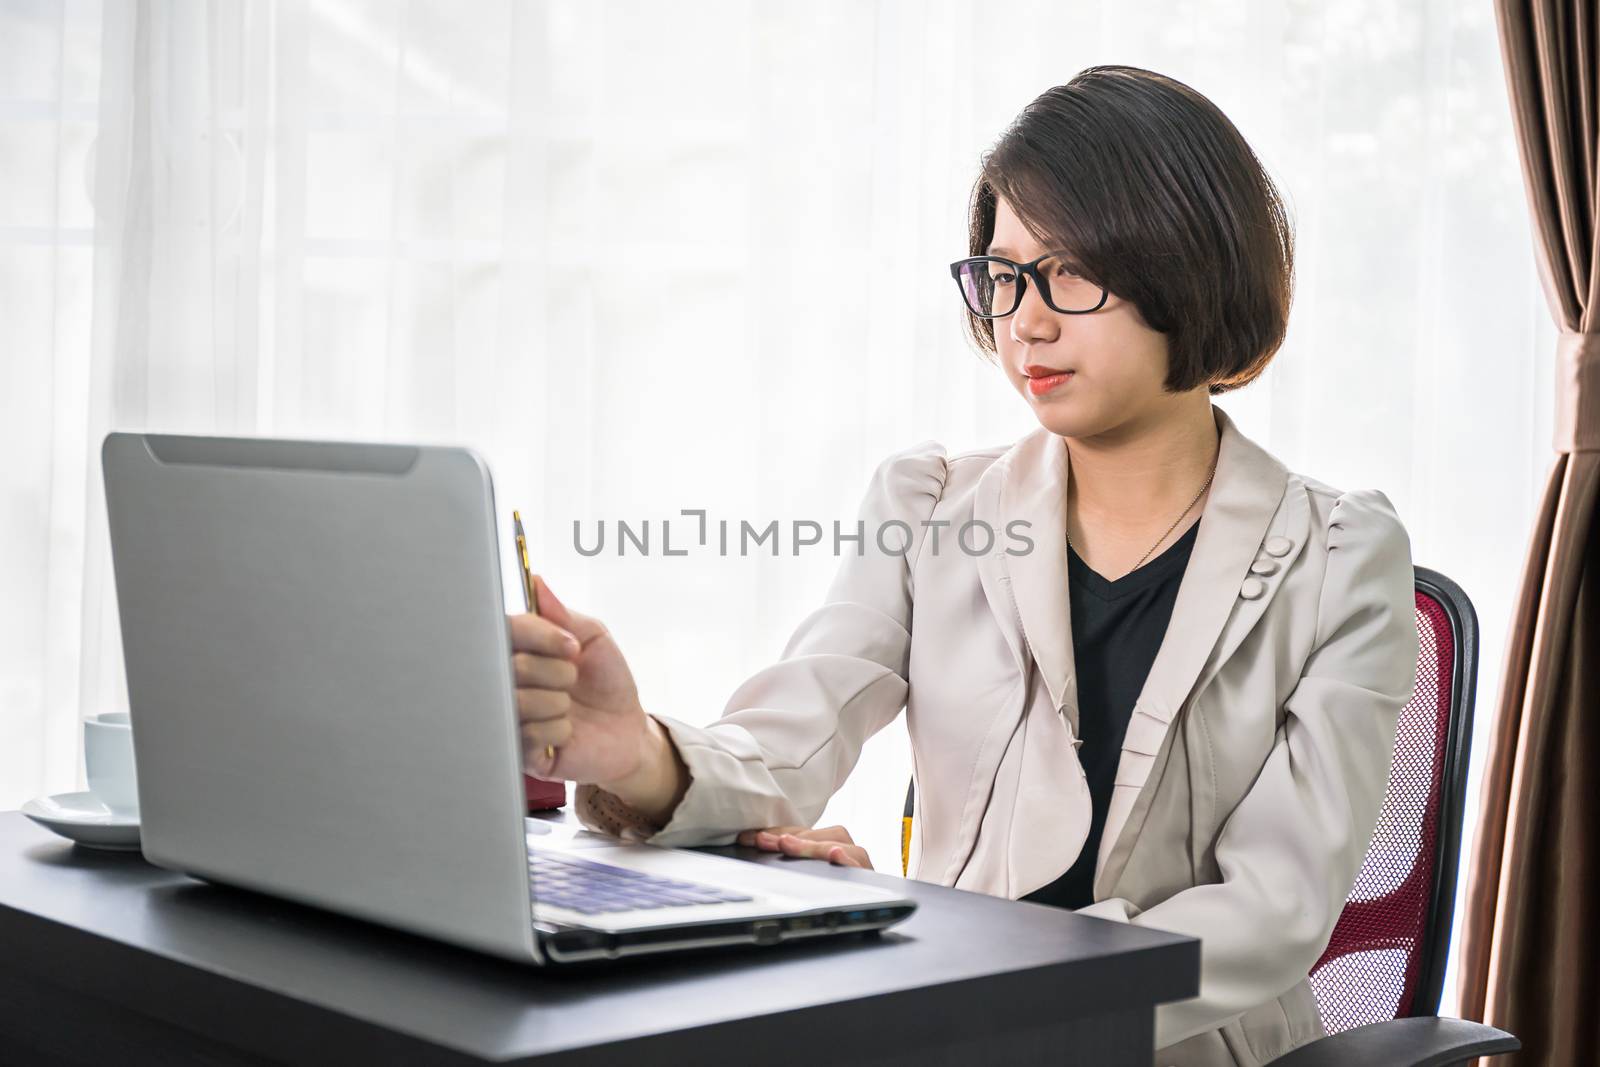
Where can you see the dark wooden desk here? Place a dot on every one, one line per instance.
(106, 959)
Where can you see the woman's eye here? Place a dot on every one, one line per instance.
(1002, 278)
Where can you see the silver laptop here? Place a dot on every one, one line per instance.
(319, 675)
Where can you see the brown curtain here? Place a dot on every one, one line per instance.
(1530, 949)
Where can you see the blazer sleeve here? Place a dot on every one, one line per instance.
(791, 733)
(1291, 849)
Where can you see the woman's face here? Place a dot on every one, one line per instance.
(1117, 362)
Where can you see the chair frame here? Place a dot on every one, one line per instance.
(1463, 620)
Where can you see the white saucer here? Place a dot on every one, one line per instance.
(82, 818)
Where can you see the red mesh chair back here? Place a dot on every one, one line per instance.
(1386, 957)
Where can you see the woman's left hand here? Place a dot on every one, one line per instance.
(831, 843)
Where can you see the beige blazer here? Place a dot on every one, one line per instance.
(1253, 766)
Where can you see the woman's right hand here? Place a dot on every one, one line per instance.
(575, 692)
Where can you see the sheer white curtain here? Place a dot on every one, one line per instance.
(656, 257)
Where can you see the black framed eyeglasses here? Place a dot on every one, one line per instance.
(992, 286)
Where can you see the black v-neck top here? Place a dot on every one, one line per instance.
(1117, 627)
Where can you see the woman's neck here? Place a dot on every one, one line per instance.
(1129, 485)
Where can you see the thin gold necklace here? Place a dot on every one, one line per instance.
(1175, 522)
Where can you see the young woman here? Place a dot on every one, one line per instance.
(1163, 689)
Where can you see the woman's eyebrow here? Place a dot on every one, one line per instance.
(998, 250)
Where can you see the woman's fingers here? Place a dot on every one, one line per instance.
(583, 628)
(530, 633)
(549, 605)
(748, 837)
(822, 833)
(538, 759)
(827, 833)
(543, 672)
(536, 735)
(832, 851)
(539, 705)
(831, 843)
(850, 856)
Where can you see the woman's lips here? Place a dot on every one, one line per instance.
(1038, 385)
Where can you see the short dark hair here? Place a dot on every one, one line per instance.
(1160, 200)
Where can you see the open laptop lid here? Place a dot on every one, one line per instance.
(319, 677)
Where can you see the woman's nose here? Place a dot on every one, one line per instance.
(1033, 320)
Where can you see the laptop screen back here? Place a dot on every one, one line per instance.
(319, 677)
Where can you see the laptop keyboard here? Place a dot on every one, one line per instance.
(590, 888)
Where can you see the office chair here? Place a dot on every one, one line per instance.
(1378, 982)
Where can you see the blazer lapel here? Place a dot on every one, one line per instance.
(1023, 484)
(1050, 810)
(1246, 495)
(1034, 492)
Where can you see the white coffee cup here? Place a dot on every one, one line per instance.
(108, 758)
